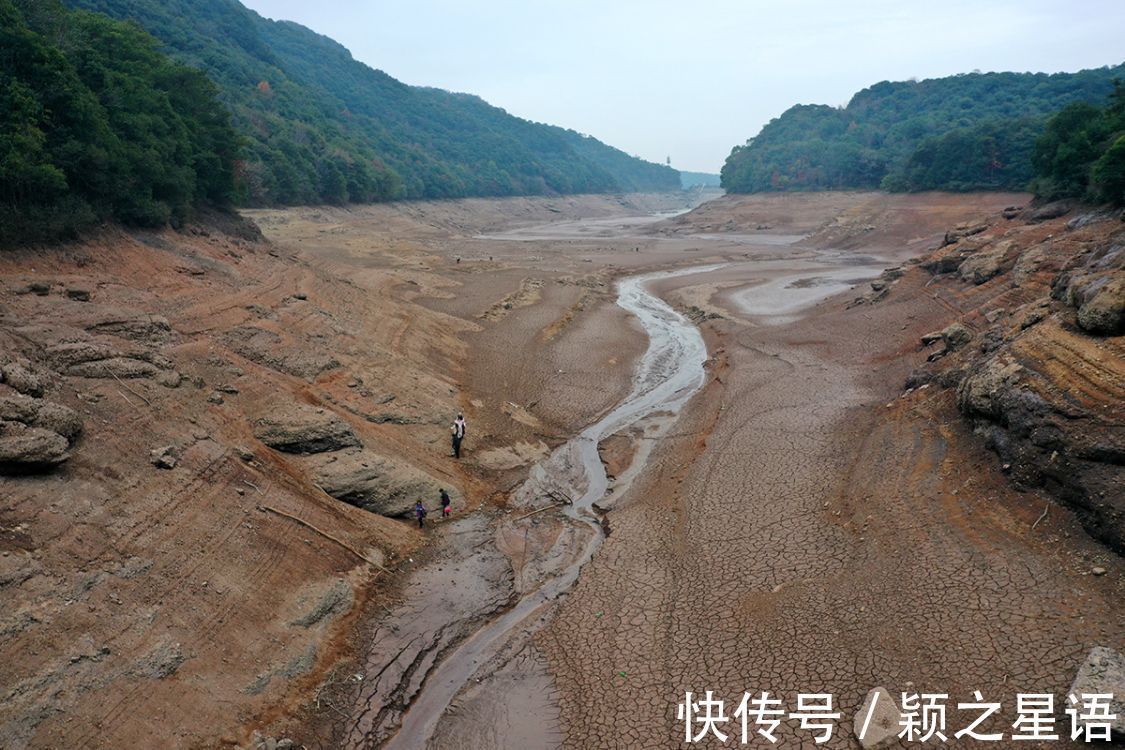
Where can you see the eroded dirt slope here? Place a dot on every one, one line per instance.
(159, 391)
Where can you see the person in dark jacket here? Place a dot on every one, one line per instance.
(446, 508)
(420, 513)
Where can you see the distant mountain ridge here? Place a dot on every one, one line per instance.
(319, 126)
(973, 131)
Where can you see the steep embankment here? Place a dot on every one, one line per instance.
(1034, 349)
(321, 127)
(177, 412)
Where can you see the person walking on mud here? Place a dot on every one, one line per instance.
(457, 434)
(420, 513)
(446, 508)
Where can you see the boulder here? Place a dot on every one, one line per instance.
(30, 449)
(961, 231)
(78, 293)
(19, 374)
(956, 335)
(163, 458)
(932, 337)
(305, 429)
(883, 726)
(982, 266)
(373, 482)
(982, 391)
(1103, 313)
(170, 379)
(35, 412)
(1051, 211)
(1104, 672)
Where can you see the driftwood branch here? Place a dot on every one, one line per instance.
(532, 513)
(324, 534)
(1045, 509)
(122, 384)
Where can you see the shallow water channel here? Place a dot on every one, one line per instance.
(669, 373)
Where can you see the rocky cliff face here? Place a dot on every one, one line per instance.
(1036, 353)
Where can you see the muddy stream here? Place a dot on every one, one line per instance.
(669, 373)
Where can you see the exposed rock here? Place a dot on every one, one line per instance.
(35, 412)
(372, 482)
(883, 726)
(1011, 212)
(931, 337)
(163, 458)
(918, 377)
(956, 335)
(982, 266)
(215, 397)
(267, 348)
(127, 323)
(1086, 219)
(163, 661)
(41, 288)
(19, 374)
(1035, 315)
(335, 601)
(962, 231)
(1104, 312)
(114, 367)
(981, 392)
(305, 429)
(170, 379)
(79, 293)
(1104, 672)
(24, 448)
(90, 359)
(1045, 442)
(1051, 211)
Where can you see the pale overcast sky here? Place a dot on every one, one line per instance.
(692, 78)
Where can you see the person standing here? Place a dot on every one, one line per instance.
(446, 507)
(457, 434)
(420, 513)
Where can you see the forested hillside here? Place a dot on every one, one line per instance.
(96, 124)
(322, 127)
(1081, 153)
(968, 132)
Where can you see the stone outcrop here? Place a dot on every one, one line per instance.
(24, 377)
(270, 349)
(305, 429)
(30, 449)
(372, 482)
(92, 359)
(35, 435)
(1104, 672)
(1041, 380)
